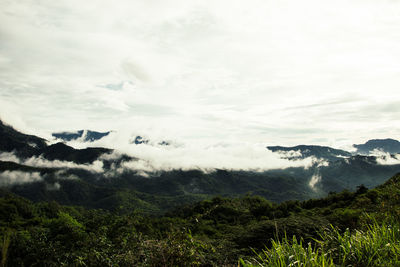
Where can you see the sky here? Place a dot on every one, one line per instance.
(270, 72)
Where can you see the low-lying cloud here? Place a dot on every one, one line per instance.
(11, 178)
(315, 179)
(289, 154)
(53, 187)
(96, 166)
(153, 157)
(384, 158)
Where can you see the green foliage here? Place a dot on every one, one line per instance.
(288, 252)
(216, 231)
(378, 245)
(4, 246)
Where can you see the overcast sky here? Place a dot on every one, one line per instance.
(261, 71)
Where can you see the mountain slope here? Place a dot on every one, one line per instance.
(24, 145)
(63, 152)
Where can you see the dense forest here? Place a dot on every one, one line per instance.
(349, 228)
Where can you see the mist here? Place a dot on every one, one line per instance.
(96, 166)
(11, 178)
(202, 155)
(384, 158)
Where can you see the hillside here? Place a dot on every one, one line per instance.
(212, 232)
(24, 145)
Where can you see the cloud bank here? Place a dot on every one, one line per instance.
(96, 166)
(153, 157)
(385, 158)
(10, 178)
(283, 72)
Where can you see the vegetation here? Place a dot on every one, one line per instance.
(358, 229)
(378, 245)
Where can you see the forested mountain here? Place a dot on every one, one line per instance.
(99, 178)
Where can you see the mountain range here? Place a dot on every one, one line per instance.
(96, 177)
(323, 152)
(390, 146)
(305, 151)
(84, 135)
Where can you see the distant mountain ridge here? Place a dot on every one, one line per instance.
(305, 151)
(386, 145)
(87, 135)
(116, 185)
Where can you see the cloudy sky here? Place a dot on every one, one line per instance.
(262, 71)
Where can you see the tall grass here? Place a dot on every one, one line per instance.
(4, 247)
(288, 252)
(377, 245)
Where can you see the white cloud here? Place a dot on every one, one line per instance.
(10, 178)
(285, 71)
(200, 155)
(315, 179)
(289, 154)
(96, 166)
(53, 187)
(385, 158)
(64, 175)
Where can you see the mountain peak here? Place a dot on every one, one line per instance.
(85, 135)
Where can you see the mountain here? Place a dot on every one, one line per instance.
(305, 151)
(86, 135)
(24, 145)
(97, 181)
(386, 145)
(214, 218)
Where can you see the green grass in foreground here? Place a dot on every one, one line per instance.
(377, 245)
